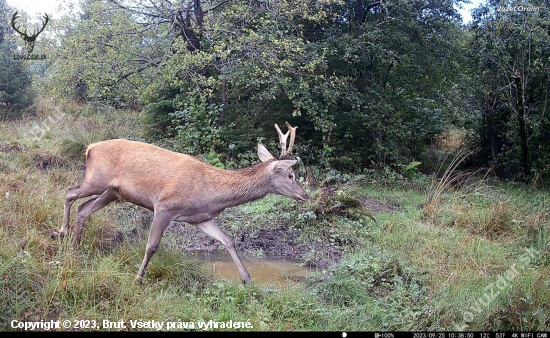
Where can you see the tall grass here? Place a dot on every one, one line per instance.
(409, 270)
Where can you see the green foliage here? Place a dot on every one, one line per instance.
(101, 50)
(15, 80)
(366, 84)
(14, 85)
(196, 125)
(372, 85)
(411, 170)
(214, 159)
(158, 112)
(390, 294)
(510, 67)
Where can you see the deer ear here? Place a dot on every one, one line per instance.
(283, 165)
(264, 154)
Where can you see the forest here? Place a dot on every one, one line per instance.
(423, 142)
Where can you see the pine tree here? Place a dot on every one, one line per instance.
(15, 80)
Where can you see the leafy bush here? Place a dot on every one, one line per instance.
(196, 125)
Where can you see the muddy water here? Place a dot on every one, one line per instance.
(276, 271)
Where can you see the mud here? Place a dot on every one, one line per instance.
(48, 161)
(278, 242)
(274, 241)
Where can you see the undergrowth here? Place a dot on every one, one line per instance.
(414, 257)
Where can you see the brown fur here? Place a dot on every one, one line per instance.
(174, 185)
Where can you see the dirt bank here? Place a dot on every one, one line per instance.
(280, 241)
(274, 240)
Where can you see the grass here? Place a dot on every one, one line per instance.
(425, 263)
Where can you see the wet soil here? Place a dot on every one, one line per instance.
(271, 240)
(8, 148)
(48, 161)
(279, 242)
(277, 247)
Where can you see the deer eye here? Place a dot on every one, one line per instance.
(290, 176)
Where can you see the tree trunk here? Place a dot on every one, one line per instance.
(191, 34)
(489, 121)
(522, 128)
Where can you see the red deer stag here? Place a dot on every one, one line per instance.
(177, 186)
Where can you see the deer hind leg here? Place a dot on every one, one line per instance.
(89, 207)
(211, 229)
(161, 220)
(74, 193)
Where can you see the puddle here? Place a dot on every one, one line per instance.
(276, 271)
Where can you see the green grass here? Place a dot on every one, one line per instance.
(418, 267)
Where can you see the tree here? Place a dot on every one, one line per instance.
(365, 81)
(15, 80)
(509, 49)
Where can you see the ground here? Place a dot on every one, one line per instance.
(273, 240)
(389, 252)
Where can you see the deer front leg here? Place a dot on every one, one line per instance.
(88, 208)
(74, 193)
(161, 220)
(211, 229)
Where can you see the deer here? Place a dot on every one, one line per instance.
(177, 186)
(29, 40)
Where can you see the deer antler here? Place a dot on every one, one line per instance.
(43, 26)
(13, 18)
(29, 40)
(24, 34)
(285, 153)
(292, 136)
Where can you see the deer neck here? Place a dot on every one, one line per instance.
(242, 186)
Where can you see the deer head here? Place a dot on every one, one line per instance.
(283, 177)
(29, 40)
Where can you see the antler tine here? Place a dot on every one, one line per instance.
(292, 136)
(13, 18)
(43, 26)
(282, 140)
